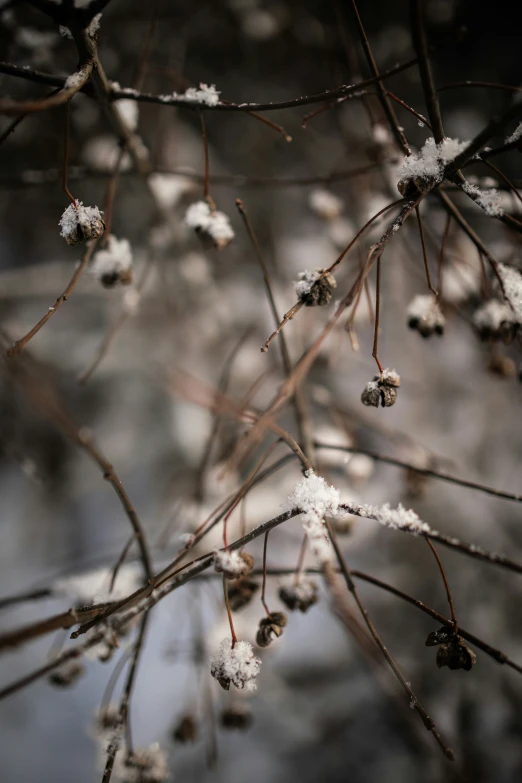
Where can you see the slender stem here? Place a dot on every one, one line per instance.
(263, 589)
(229, 613)
(446, 585)
(424, 253)
(428, 722)
(375, 351)
(206, 164)
(420, 44)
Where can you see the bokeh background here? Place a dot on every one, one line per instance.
(323, 710)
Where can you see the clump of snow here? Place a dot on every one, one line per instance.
(426, 167)
(299, 595)
(212, 227)
(315, 499)
(325, 204)
(113, 264)
(206, 94)
(169, 188)
(237, 665)
(489, 200)
(144, 765)
(103, 152)
(490, 316)
(79, 223)
(517, 133)
(305, 281)
(512, 282)
(93, 587)
(424, 315)
(232, 564)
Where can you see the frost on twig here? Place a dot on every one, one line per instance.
(206, 93)
(212, 227)
(233, 564)
(426, 168)
(488, 200)
(316, 499)
(382, 389)
(113, 264)
(315, 288)
(399, 518)
(235, 665)
(79, 223)
(425, 315)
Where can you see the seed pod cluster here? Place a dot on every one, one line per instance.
(381, 390)
(300, 596)
(66, 675)
(236, 716)
(270, 628)
(240, 592)
(186, 730)
(425, 316)
(315, 289)
(453, 651)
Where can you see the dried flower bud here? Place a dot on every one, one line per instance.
(236, 716)
(270, 628)
(79, 223)
(382, 390)
(240, 592)
(442, 635)
(425, 316)
(233, 564)
(300, 596)
(236, 665)
(315, 288)
(186, 730)
(66, 675)
(455, 654)
(212, 227)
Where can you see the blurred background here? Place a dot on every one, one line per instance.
(323, 709)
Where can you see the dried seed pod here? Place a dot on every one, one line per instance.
(270, 628)
(233, 564)
(382, 389)
(315, 288)
(240, 592)
(108, 718)
(66, 675)
(79, 223)
(212, 227)
(300, 596)
(425, 316)
(455, 654)
(442, 635)
(495, 320)
(186, 730)
(236, 716)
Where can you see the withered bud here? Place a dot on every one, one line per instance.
(236, 716)
(110, 279)
(382, 389)
(240, 592)
(186, 730)
(67, 674)
(455, 654)
(442, 635)
(300, 596)
(315, 288)
(270, 628)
